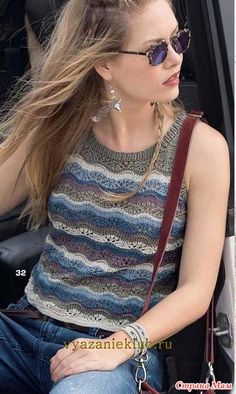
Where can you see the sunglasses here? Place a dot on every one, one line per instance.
(157, 53)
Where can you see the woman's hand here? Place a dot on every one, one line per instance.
(85, 354)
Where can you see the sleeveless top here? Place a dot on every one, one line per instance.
(97, 261)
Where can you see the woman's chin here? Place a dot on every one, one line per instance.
(170, 96)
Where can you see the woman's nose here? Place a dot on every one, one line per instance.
(172, 56)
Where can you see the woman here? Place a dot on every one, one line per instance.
(96, 135)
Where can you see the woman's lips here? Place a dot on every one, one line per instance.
(173, 78)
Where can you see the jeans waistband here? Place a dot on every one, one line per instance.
(35, 314)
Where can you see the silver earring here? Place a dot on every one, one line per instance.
(115, 100)
(115, 104)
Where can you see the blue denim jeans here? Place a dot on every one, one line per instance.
(27, 345)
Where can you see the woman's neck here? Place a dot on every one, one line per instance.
(129, 132)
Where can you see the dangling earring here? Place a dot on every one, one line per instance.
(115, 100)
(115, 104)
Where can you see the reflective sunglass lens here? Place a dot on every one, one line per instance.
(159, 54)
(181, 43)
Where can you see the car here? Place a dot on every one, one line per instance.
(207, 81)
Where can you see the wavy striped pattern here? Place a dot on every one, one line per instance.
(97, 261)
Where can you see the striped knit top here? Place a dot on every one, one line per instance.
(97, 261)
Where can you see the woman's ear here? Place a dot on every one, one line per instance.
(103, 70)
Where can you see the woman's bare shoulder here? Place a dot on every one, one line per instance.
(208, 148)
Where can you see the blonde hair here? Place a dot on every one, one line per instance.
(60, 97)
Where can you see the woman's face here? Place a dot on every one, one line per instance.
(132, 75)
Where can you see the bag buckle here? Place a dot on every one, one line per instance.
(210, 375)
(140, 372)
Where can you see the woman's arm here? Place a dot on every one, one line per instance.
(209, 175)
(32, 44)
(11, 197)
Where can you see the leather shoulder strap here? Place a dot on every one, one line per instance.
(173, 193)
(167, 222)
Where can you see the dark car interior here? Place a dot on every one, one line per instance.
(204, 86)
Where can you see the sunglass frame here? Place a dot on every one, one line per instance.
(175, 37)
(150, 51)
